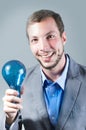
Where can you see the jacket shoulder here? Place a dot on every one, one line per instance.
(31, 71)
(82, 70)
(76, 69)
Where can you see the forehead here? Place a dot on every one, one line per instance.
(43, 27)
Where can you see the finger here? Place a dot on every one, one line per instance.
(7, 109)
(8, 105)
(12, 99)
(11, 92)
(22, 90)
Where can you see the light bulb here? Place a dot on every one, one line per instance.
(14, 73)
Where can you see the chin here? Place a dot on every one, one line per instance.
(48, 66)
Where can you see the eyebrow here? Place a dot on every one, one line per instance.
(44, 34)
(50, 33)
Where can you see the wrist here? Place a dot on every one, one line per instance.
(11, 119)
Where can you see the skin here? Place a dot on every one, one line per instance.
(47, 45)
(11, 108)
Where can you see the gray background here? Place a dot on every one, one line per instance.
(13, 41)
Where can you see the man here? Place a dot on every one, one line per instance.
(42, 108)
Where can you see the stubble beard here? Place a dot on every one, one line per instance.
(59, 56)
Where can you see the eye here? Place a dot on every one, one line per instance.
(34, 40)
(51, 36)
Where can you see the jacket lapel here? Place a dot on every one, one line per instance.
(35, 94)
(72, 88)
(70, 95)
(39, 102)
(38, 98)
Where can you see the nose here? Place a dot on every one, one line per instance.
(43, 45)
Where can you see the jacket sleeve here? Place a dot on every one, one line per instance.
(16, 125)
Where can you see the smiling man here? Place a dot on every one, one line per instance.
(54, 90)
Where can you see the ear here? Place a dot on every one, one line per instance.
(64, 38)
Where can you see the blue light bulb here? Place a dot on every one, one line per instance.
(14, 73)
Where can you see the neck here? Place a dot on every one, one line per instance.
(54, 73)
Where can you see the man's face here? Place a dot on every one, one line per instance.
(46, 43)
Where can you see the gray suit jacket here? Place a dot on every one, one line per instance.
(73, 110)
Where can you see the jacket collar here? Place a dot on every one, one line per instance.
(70, 94)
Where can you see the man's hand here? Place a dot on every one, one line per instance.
(12, 104)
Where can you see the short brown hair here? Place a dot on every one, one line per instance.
(40, 15)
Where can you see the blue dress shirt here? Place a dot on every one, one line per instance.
(61, 82)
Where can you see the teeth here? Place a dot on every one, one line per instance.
(47, 55)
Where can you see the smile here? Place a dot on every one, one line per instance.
(47, 55)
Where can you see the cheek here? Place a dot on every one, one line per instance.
(59, 46)
(55, 44)
(33, 49)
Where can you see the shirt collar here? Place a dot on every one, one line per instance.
(62, 79)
